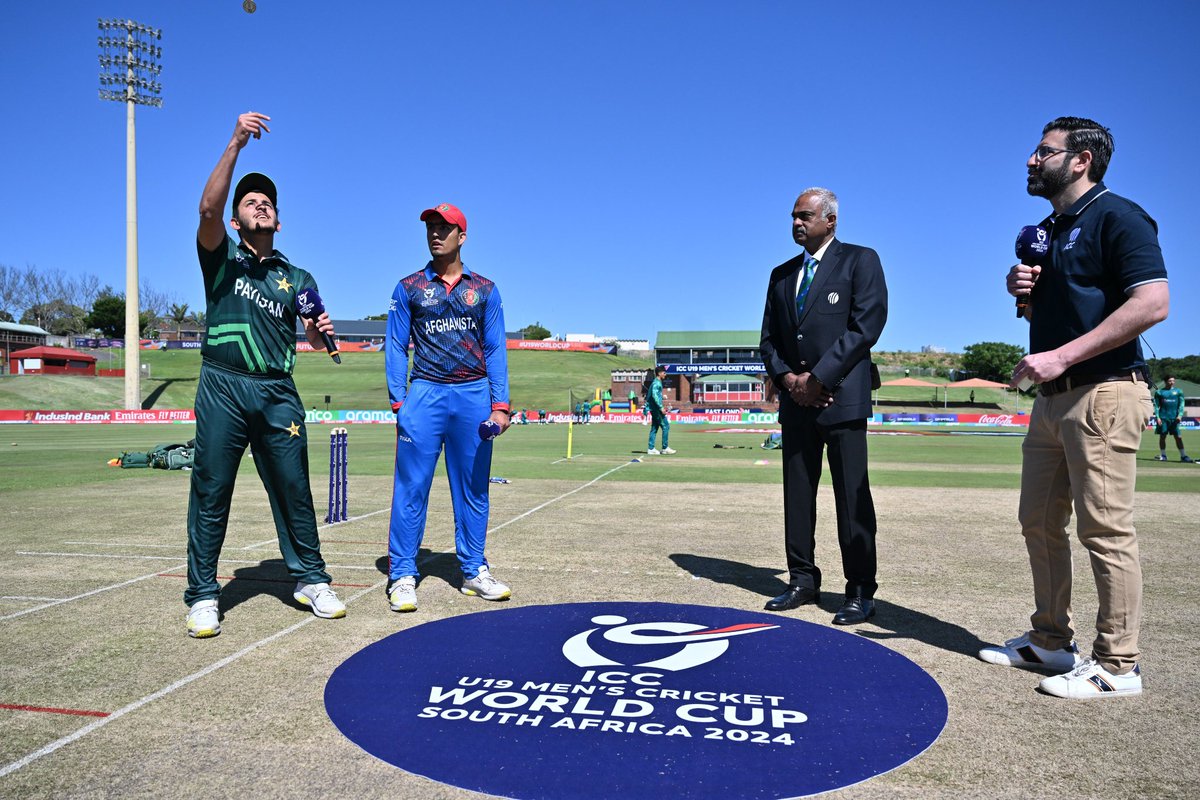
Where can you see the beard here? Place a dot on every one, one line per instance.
(1048, 183)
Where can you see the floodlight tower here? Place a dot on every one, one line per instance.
(129, 70)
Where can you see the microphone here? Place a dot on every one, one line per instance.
(1033, 243)
(309, 306)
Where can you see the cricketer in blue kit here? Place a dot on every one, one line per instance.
(455, 320)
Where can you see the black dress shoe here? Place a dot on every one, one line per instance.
(794, 597)
(854, 611)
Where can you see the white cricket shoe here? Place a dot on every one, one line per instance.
(1089, 681)
(485, 586)
(666, 451)
(1020, 652)
(402, 594)
(322, 599)
(653, 452)
(203, 619)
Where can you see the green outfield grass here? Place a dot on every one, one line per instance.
(536, 380)
(68, 456)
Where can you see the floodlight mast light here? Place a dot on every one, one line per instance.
(129, 59)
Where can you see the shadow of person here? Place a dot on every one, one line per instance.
(907, 623)
(431, 565)
(898, 622)
(268, 577)
(760, 580)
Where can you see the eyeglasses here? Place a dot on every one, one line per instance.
(1042, 152)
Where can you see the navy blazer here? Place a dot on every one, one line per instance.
(843, 318)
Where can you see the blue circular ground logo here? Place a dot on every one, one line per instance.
(638, 700)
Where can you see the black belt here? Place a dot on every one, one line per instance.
(1068, 382)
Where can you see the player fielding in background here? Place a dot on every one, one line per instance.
(246, 394)
(1168, 411)
(459, 379)
(657, 409)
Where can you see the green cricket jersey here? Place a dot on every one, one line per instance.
(654, 398)
(1168, 404)
(251, 312)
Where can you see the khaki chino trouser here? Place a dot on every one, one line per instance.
(1081, 450)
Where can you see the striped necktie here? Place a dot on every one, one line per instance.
(810, 269)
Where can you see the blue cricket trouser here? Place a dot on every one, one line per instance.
(436, 415)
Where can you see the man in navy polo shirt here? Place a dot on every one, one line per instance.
(1102, 285)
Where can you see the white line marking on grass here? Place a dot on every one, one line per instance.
(32, 599)
(124, 556)
(158, 558)
(126, 544)
(560, 497)
(179, 684)
(89, 594)
(324, 527)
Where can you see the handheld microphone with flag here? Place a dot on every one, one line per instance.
(1033, 243)
(309, 306)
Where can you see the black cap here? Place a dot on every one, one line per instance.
(254, 182)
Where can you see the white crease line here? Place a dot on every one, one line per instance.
(159, 558)
(324, 527)
(88, 594)
(135, 705)
(122, 556)
(32, 599)
(560, 497)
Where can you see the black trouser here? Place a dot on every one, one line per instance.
(234, 410)
(804, 441)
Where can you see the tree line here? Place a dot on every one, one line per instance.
(67, 305)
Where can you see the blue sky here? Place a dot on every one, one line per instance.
(625, 167)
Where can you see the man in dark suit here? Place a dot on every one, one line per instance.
(825, 309)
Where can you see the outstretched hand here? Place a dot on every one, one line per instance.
(249, 124)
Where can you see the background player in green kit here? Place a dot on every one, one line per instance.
(658, 414)
(1168, 411)
(246, 395)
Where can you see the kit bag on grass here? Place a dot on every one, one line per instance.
(173, 456)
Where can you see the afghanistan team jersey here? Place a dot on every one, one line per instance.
(457, 332)
(251, 312)
(1168, 403)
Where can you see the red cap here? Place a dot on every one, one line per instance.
(447, 212)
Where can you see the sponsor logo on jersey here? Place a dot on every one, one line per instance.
(431, 298)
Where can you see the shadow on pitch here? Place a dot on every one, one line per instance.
(265, 578)
(894, 621)
(431, 565)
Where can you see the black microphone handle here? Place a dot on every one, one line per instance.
(1023, 299)
(331, 347)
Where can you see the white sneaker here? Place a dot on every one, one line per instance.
(203, 619)
(1020, 652)
(485, 586)
(653, 452)
(666, 451)
(1089, 681)
(402, 594)
(321, 599)
(1162, 457)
